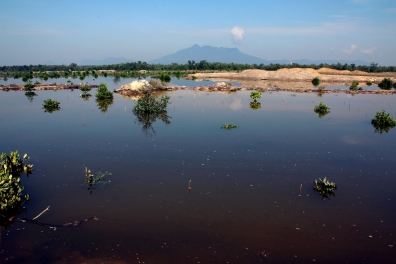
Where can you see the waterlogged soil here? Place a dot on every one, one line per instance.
(250, 199)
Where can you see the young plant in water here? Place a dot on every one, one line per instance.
(322, 109)
(91, 180)
(229, 126)
(11, 200)
(51, 105)
(383, 122)
(325, 188)
(255, 95)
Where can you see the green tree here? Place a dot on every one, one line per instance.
(321, 110)
(255, 95)
(383, 122)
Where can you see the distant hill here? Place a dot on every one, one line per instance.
(210, 54)
(229, 55)
(107, 61)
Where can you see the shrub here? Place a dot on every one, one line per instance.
(103, 92)
(386, 84)
(255, 95)
(369, 83)
(394, 85)
(49, 103)
(316, 81)
(148, 110)
(322, 109)
(383, 122)
(11, 169)
(85, 88)
(355, 86)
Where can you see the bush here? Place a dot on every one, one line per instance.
(49, 103)
(85, 88)
(383, 122)
(316, 81)
(355, 86)
(103, 92)
(11, 169)
(255, 95)
(369, 83)
(322, 109)
(386, 84)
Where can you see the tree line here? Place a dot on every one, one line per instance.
(202, 65)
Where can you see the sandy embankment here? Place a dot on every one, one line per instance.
(297, 79)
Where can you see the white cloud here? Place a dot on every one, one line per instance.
(237, 34)
(368, 51)
(236, 104)
(350, 50)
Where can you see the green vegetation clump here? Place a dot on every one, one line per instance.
(355, 86)
(325, 188)
(103, 92)
(85, 88)
(386, 84)
(315, 81)
(51, 105)
(229, 126)
(383, 122)
(255, 95)
(322, 109)
(369, 83)
(148, 110)
(11, 169)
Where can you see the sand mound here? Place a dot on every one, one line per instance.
(135, 85)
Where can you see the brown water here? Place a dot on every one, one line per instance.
(243, 206)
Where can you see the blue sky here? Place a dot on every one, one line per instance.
(39, 31)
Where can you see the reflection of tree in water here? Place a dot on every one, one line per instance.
(116, 78)
(51, 109)
(148, 110)
(86, 97)
(255, 105)
(104, 104)
(30, 96)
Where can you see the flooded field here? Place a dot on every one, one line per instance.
(191, 192)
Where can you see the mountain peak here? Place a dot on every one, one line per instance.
(210, 54)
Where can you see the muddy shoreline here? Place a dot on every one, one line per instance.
(293, 87)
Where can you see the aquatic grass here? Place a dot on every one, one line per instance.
(228, 126)
(325, 188)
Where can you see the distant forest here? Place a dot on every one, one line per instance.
(203, 65)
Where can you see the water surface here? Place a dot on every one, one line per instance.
(244, 205)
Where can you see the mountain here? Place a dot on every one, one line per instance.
(107, 61)
(229, 55)
(210, 54)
